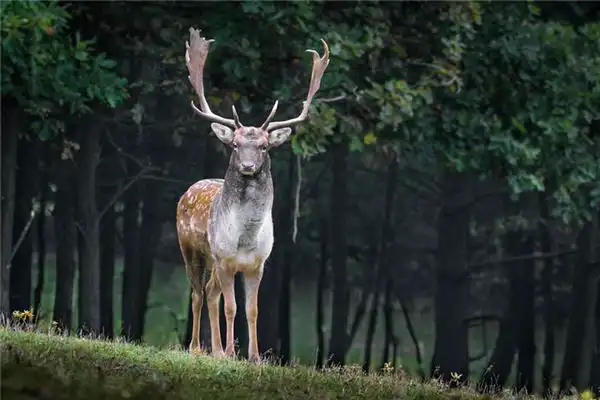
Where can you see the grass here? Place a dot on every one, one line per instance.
(37, 365)
(166, 320)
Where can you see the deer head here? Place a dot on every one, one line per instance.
(250, 144)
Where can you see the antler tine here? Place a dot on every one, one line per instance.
(196, 51)
(319, 66)
(271, 115)
(236, 118)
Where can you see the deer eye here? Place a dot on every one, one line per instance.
(263, 147)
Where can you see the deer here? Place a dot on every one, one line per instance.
(225, 226)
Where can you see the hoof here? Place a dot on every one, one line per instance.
(255, 360)
(196, 351)
(218, 354)
(229, 353)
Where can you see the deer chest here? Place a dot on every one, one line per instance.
(244, 232)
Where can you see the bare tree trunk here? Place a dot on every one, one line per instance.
(382, 260)
(131, 237)
(338, 345)
(547, 293)
(451, 349)
(372, 324)
(285, 302)
(413, 336)
(285, 333)
(151, 229)
(576, 366)
(25, 191)
(595, 370)
(498, 369)
(88, 297)
(10, 130)
(66, 241)
(321, 287)
(108, 176)
(390, 338)
(268, 322)
(107, 271)
(589, 335)
(41, 245)
(526, 363)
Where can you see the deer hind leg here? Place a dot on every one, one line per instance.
(251, 284)
(197, 272)
(213, 295)
(226, 280)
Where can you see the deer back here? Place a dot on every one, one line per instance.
(193, 214)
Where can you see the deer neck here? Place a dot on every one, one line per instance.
(254, 191)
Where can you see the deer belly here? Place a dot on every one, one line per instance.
(242, 239)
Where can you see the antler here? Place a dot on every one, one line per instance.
(319, 66)
(196, 51)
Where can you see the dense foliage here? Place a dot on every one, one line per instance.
(49, 70)
(429, 116)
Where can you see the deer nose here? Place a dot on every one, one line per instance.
(247, 166)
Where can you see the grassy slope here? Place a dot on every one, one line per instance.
(167, 316)
(44, 366)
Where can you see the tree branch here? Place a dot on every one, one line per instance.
(525, 257)
(297, 198)
(32, 215)
(123, 189)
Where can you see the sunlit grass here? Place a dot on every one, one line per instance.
(49, 365)
(166, 321)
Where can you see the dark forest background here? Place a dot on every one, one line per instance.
(438, 212)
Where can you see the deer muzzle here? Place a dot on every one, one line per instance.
(247, 168)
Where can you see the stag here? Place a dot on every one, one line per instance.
(225, 226)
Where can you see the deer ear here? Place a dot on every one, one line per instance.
(279, 136)
(225, 134)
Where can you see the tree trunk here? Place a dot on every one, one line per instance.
(10, 129)
(131, 237)
(595, 370)
(285, 301)
(41, 245)
(451, 349)
(382, 260)
(285, 304)
(25, 191)
(413, 336)
(108, 174)
(268, 322)
(66, 241)
(88, 297)
(372, 324)
(548, 296)
(321, 287)
(107, 271)
(390, 340)
(526, 363)
(339, 316)
(589, 344)
(579, 346)
(151, 228)
(498, 369)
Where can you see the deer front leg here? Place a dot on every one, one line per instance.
(213, 295)
(252, 283)
(226, 280)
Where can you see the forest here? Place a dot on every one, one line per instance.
(437, 213)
